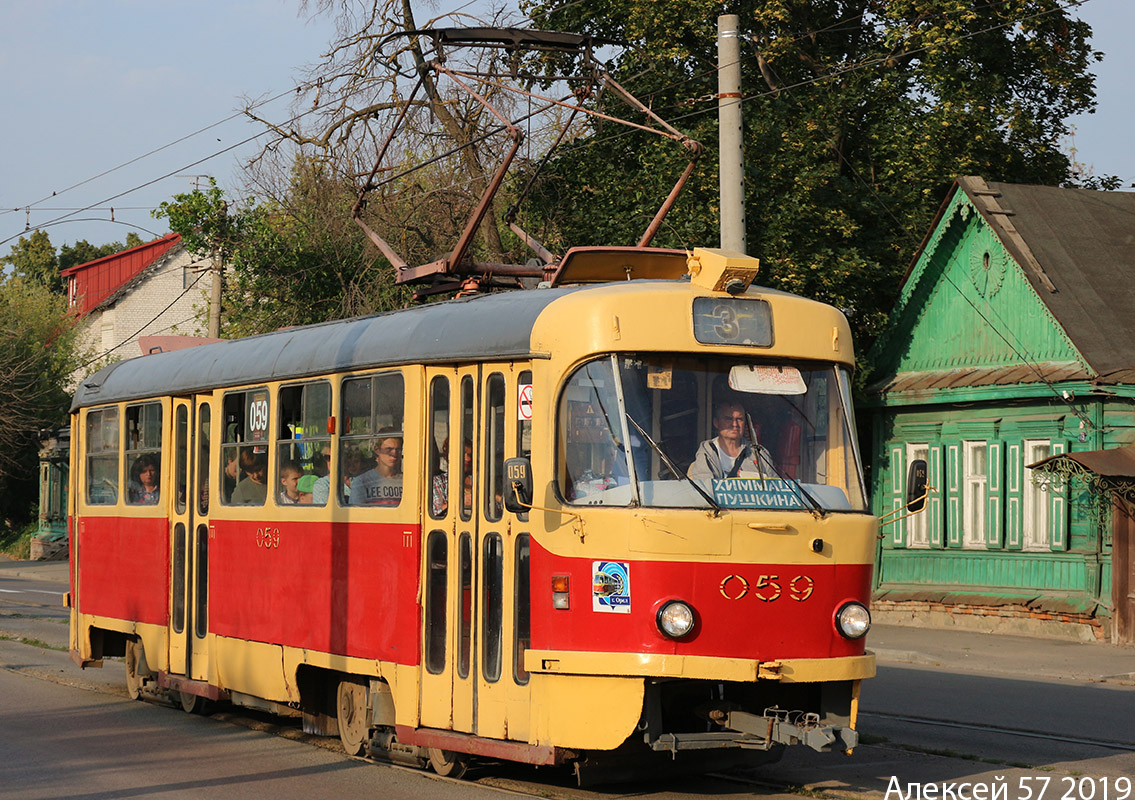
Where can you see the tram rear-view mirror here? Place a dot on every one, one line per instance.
(756, 379)
(916, 486)
(518, 490)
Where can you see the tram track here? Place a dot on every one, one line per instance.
(1023, 733)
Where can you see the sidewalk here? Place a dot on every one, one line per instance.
(999, 654)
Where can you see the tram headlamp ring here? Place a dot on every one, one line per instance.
(853, 620)
(676, 619)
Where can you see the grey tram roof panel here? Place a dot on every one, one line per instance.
(487, 326)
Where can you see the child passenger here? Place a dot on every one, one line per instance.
(290, 474)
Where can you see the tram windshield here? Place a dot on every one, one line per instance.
(698, 432)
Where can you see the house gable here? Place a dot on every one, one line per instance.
(969, 316)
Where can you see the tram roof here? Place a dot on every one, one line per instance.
(497, 326)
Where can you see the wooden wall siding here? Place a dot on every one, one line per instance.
(948, 328)
(953, 496)
(993, 510)
(1013, 508)
(1000, 571)
(934, 505)
(897, 471)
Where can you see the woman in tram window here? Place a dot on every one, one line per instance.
(145, 474)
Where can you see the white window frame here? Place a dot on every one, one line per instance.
(975, 487)
(918, 525)
(1037, 528)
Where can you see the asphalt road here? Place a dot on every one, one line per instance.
(945, 709)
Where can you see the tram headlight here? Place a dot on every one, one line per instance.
(853, 620)
(676, 619)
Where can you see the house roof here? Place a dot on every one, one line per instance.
(1077, 249)
(94, 283)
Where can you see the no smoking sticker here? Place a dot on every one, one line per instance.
(524, 402)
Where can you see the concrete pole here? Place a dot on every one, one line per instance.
(731, 169)
(215, 298)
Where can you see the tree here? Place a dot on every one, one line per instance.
(302, 260)
(33, 259)
(38, 354)
(358, 91)
(207, 228)
(292, 257)
(858, 116)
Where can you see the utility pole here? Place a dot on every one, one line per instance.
(218, 272)
(731, 160)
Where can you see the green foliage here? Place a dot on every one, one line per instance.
(858, 116)
(294, 258)
(33, 259)
(302, 260)
(203, 219)
(16, 540)
(38, 353)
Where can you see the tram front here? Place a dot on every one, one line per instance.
(702, 547)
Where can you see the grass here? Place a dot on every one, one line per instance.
(31, 642)
(16, 543)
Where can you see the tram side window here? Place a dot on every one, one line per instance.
(303, 455)
(244, 450)
(439, 445)
(370, 460)
(494, 448)
(524, 421)
(467, 423)
(102, 457)
(142, 457)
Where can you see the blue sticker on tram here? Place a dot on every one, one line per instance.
(611, 586)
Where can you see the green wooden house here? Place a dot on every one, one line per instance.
(1013, 341)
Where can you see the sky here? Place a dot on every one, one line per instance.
(98, 93)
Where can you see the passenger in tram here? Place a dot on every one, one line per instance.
(467, 473)
(290, 474)
(352, 463)
(253, 487)
(231, 473)
(727, 455)
(439, 482)
(321, 486)
(145, 475)
(381, 486)
(306, 487)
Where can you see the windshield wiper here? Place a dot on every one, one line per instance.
(797, 489)
(673, 468)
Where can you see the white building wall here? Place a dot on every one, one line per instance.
(158, 305)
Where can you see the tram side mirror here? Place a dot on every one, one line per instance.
(518, 485)
(916, 486)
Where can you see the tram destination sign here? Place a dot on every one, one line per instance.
(756, 493)
(732, 320)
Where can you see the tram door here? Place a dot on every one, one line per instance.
(189, 538)
(476, 555)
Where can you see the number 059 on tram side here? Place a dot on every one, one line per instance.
(617, 522)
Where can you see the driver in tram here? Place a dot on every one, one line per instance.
(727, 455)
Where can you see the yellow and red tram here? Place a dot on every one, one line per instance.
(323, 522)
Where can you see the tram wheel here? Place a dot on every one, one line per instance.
(135, 668)
(448, 764)
(351, 713)
(192, 703)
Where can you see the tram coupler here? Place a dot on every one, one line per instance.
(760, 732)
(787, 727)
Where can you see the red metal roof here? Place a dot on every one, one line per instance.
(90, 283)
